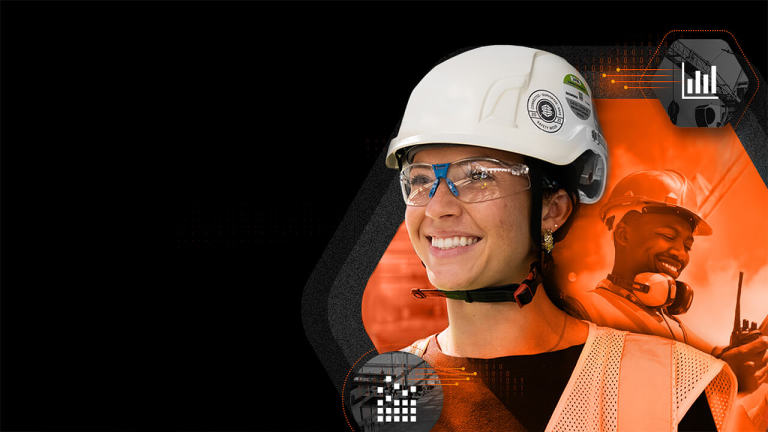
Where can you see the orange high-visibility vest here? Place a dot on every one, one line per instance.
(630, 382)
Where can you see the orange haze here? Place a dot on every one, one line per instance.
(639, 136)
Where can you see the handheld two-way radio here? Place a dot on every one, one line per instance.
(744, 331)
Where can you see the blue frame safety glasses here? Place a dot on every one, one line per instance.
(470, 180)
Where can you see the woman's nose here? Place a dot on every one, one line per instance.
(443, 203)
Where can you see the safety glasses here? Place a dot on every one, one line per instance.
(470, 180)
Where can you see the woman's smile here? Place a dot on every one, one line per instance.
(447, 245)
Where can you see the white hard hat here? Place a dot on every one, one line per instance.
(510, 98)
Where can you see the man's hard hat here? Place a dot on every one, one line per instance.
(659, 189)
(510, 98)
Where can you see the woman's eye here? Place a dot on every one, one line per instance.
(479, 175)
(420, 180)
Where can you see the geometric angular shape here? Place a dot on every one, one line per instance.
(701, 82)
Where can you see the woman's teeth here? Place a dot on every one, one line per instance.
(453, 242)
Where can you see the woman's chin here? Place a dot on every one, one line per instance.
(449, 281)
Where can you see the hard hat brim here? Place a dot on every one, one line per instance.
(700, 228)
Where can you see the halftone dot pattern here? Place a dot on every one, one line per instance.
(693, 369)
(591, 405)
(719, 395)
(689, 369)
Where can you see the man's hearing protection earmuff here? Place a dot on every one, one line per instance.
(683, 299)
(657, 290)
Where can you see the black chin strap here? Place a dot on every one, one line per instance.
(521, 293)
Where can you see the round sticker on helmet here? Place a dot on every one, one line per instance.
(545, 111)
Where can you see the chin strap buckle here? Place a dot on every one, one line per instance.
(523, 294)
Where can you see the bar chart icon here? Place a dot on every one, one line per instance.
(701, 86)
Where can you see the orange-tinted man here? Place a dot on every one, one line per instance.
(653, 218)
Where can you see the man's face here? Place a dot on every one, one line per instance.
(658, 243)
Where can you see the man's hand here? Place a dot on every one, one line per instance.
(749, 362)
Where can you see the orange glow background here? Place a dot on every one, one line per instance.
(640, 136)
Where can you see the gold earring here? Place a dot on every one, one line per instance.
(548, 241)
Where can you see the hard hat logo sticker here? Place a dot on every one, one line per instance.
(577, 96)
(574, 81)
(545, 111)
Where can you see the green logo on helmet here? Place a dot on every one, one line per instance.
(574, 81)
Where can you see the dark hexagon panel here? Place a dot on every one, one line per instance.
(702, 82)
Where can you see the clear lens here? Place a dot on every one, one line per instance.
(475, 180)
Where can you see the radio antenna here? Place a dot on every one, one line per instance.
(737, 317)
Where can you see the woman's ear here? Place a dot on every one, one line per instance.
(555, 210)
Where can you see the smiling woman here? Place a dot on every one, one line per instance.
(492, 167)
(463, 245)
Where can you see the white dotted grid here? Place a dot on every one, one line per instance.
(393, 408)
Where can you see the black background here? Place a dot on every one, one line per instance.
(172, 172)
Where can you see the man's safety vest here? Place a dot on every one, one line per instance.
(604, 307)
(630, 382)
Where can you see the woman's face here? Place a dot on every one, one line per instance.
(498, 230)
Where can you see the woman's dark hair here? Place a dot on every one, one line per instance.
(546, 180)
